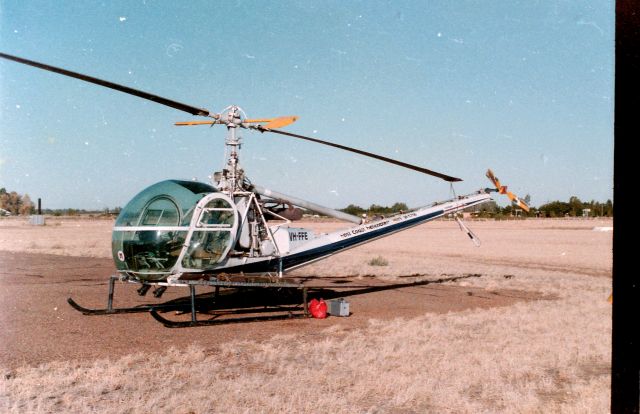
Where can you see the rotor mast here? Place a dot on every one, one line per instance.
(231, 179)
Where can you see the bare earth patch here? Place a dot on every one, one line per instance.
(520, 324)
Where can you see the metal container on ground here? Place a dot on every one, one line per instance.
(338, 307)
(36, 220)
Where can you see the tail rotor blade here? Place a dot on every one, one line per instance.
(503, 190)
(493, 179)
(516, 200)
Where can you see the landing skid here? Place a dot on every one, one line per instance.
(112, 310)
(278, 312)
(210, 322)
(195, 322)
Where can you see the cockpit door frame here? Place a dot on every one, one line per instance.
(199, 209)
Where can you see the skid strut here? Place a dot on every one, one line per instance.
(110, 310)
(286, 313)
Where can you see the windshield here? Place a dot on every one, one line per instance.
(151, 230)
(167, 203)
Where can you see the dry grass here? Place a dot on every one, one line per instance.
(60, 236)
(378, 261)
(544, 356)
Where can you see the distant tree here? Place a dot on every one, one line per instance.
(354, 210)
(11, 202)
(575, 206)
(508, 210)
(487, 209)
(608, 208)
(26, 206)
(376, 209)
(398, 207)
(555, 209)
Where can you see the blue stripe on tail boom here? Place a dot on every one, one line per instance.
(307, 256)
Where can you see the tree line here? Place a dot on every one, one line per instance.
(572, 208)
(17, 204)
(375, 209)
(577, 208)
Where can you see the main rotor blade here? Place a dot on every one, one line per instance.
(367, 154)
(141, 94)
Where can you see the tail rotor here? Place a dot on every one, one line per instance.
(502, 189)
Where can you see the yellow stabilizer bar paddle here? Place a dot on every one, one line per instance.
(188, 123)
(271, 123)
(281, 121)
(257, 121)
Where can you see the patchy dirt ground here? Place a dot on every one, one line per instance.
(519, 324)
(38, 325)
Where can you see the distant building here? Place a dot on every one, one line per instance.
(586, 212)
(4, 212)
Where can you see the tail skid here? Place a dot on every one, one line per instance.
(474, 239)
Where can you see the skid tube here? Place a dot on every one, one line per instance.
(110, 310)
(191, 284)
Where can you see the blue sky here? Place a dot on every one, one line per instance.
(525, 88)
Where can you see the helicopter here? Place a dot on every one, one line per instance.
(178, 233)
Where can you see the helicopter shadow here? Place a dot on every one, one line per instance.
(241, 301)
